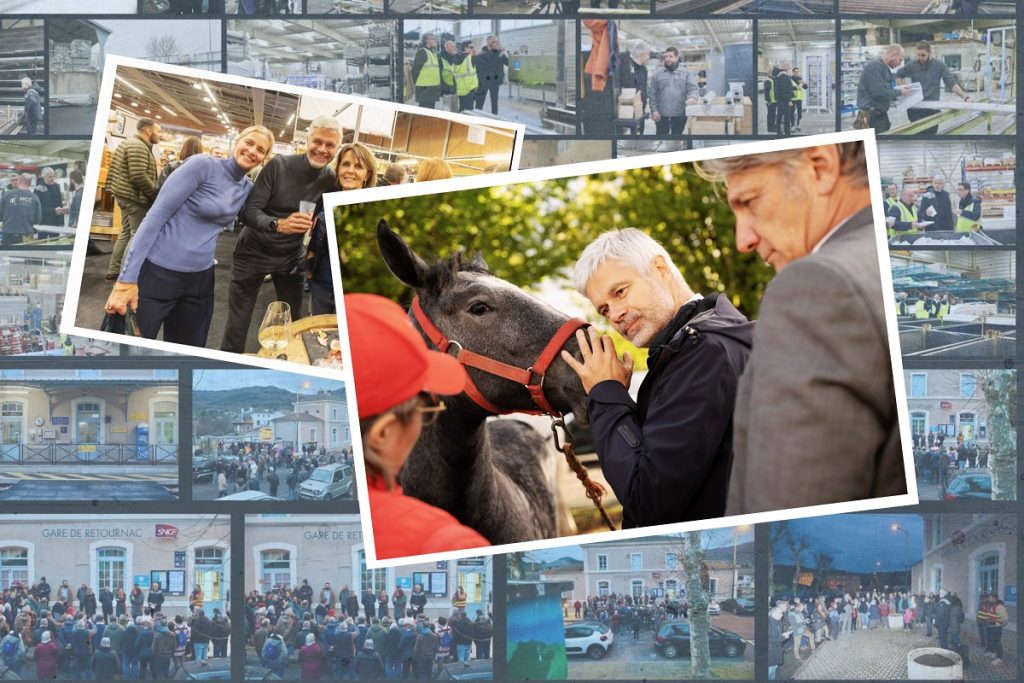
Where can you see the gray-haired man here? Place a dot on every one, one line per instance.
(666, 455)
(51, 198)
(272, 241)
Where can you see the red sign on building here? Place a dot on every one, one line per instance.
(945, 405)
(166, 531)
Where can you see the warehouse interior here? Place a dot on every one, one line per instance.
(541, 153)
(67, 7)
(920, 7)
(980, 320)
(232, 7)
(428, 6)
(720, 48)
(351, 57)
(809, 46)
(793, 7)
(21, 54)
(989, 167)
(980, 54)
(78, 49)
(344, 6)
(558, 7)
(20, 156)
(539, 88)
(636, 147)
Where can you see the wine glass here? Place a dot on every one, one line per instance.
(276, 329)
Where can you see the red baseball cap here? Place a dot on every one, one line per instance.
(390, 360)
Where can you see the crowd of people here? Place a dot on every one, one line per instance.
(822, 619)
(784, 94)
(162, 264)
(26, 209)
(240, 466)
(78, 633)
(460, 70)
(348, 635)
(624, 613)
(937, 465)
(934, 211)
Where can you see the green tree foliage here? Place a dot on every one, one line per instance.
(530, 231)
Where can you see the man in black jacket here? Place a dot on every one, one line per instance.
(784, 89)
(937, 207)
(876, 90)
(633, 74)
(490, 70)
(271, 242)
(33, 108)
(667, 454)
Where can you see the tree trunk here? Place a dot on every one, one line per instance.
(693, 562)
(1000, 393)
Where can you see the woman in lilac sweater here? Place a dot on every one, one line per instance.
(167, 274)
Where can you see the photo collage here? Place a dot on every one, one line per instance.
(681, 366)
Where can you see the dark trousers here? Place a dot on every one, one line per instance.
(879, 120)
(321, 298)
(670, 125)
(220, 647)
(180, 302)
(918, 114)
(10, 238)
(481, 95)
(798, 111)
(773, 111)
(784, 119)
(163, 666)
(147, 663)
(245, 288)
(31, 126)
(467, 102)
(995, 640)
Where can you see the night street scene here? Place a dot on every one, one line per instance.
(893, 596)
(629, 609)
(88, 434)
(965, 444)
(264, 435)
(114, 596)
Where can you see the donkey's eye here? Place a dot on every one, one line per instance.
(478, 308)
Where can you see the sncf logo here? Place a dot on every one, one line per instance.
(166, 531)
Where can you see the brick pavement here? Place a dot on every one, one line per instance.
(881, 654)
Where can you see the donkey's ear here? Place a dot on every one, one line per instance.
(478, 262)
(400, 259)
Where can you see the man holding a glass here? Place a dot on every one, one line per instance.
(277, 217)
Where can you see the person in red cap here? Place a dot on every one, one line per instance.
(396, 377)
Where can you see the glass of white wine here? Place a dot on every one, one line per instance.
(276, 329)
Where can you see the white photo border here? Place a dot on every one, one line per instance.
(335, 199)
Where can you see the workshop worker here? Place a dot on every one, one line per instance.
(633, 74)
(666, 455)
(877, 91)
(799, 97)
(892, 195)
(769, 99)
(33, 107)
(940, 305)
(20, 211)
(936, 206)
(902, 217)
(931, 74)
(922, 307)
(968, 213)
(784, 89)
(820, 373)
(490, 67)
(426, 72)
(272, 239)
(672, 88)
(51, 198)
(461, 68)
(132, 180)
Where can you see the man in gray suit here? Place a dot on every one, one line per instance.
(815, 418)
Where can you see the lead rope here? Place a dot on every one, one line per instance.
(594, 490)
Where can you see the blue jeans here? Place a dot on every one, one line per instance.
(462, 652)
(771, 672)
(129, 667)
(83, 668)
(393, 668)
(14, 664)
(220, 648)
(201, 649)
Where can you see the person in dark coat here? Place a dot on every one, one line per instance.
(105, 664)
(155, 599)
(937, 207)
(51, 199)
(81, 648)
(107, 602)
(369, 603)
(784, 90)
(369, 666)
(633, 74)
(943, 617)
(351, 604)
(33, 107)
(407, 648)
(417, 600)
(667, 454)
(392, 652)
(490, 70)
(777, 635)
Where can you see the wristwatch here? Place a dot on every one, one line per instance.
(273, 225)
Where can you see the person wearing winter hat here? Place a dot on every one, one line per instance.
(105, 663)
(369, 666)
(311, 660)
(395, 401)
(46, 655)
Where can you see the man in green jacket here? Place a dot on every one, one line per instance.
(132, 181)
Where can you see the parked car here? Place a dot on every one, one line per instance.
(592, 639)
(714, 608)
(739, 606)
(474, 670)
(202, 468)
(976, 486)
(250, 496)
(673, 640)
(327, 482)
(219, 669)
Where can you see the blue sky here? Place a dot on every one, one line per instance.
(217, 380)
(859, 542)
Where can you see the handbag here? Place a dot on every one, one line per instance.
(117, 323)
(863, 119)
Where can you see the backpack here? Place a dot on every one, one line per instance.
(272, 649)
(10, 647)
(446, 640)
(182, 638)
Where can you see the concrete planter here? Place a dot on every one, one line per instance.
(895, 621)
(926, 664)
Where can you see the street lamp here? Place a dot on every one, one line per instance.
(735, 567)
(906, 548)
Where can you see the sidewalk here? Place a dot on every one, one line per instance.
(881, 654)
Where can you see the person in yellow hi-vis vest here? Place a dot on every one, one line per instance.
(461, 68)
(940, 305)
(923, 307)
(426, 72)
(892, 196)
(968, 215)
(901, 217)
(447, 75)
(799, 97)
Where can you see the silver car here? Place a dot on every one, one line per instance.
(327, 482)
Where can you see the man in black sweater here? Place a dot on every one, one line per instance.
(784, 90)
(490, 70)
(271, 242)
(20, 211)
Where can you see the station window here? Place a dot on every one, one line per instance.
(671, 560)
(603, 589)
(636, 561)
(602, 562)
(275, 569)
(376, 579)
(13, 567)
(636, 588)
(112, 568)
